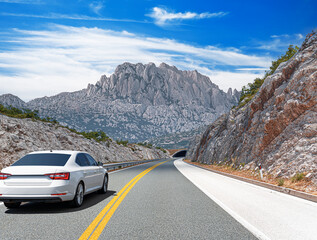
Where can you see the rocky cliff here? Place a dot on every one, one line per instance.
(277, 128)
(21, 136)
(138, 102)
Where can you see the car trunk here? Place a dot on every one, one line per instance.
(30, 175)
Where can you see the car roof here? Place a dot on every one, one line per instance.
(57, 151)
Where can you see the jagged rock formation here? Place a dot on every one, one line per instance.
(138, 102)
(277, 128)
(21, 136)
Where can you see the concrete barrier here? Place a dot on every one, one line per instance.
(115, 166)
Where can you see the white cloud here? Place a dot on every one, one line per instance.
(233, 79)
(280, 36)
(72, 17)
(280, 42)
(162, 16)
(68, 58)
(96, 7)
(22, 1)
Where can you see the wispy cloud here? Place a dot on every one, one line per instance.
(72, 17)
(280, 36)
(162, 17)
(278, 42)
(68, 58)
(22, 1)
(96, 7)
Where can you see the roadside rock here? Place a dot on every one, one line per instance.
(21, 136)
(277, 128)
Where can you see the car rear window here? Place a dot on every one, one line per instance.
(43, 159)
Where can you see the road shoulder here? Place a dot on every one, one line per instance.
(267, 214)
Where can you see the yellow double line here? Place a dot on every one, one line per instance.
(96, 227)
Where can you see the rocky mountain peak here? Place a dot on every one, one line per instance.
(157, 85)
(140, 101)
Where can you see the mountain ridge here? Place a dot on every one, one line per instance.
(140, 101)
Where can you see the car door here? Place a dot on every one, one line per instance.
(97, 170)
(87, 170)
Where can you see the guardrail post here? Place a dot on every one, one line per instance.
(261, 171)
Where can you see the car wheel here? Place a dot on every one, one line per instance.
(12, 204)
(104, 188)
(79, 196)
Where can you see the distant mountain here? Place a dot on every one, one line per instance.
(138, 102)
(177, 140)
(11, 100)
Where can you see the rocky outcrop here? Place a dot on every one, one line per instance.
(139, 102)
(8, 100)
(21, 136)
(277, 128)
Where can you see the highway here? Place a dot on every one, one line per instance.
(149, 201)
(167, 200)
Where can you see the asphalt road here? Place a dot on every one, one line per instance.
(160, 204)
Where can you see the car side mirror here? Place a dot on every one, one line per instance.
(100, 164)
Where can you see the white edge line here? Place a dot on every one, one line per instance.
(256, 232)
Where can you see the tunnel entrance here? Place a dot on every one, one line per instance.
(181, 153)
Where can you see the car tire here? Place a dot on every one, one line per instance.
(104, 188)
(12, 205)
(79, 195)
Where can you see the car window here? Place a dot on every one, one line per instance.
(81, 160)
(91, 160)
(43, 159)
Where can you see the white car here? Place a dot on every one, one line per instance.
(52, 176)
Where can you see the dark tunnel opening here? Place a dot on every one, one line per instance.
(181, 153)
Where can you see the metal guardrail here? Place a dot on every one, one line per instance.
(114, 166)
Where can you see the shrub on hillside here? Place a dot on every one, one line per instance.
(249, 91)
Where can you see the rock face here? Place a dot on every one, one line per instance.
(21, 136)
(277, 128)
(138, 102)
(179, 140)
(11, 100)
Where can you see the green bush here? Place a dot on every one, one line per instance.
(298, 177)
(19, 113)
(162, 149)
(148, 145)
(280, 182)
(122, 142)
(10, 111)
(251, 89)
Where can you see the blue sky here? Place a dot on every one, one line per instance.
(47, 47)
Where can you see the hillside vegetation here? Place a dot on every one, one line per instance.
(251, 89)
(10, 111)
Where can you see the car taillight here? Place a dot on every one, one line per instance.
(4, 176)
(58, 176)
